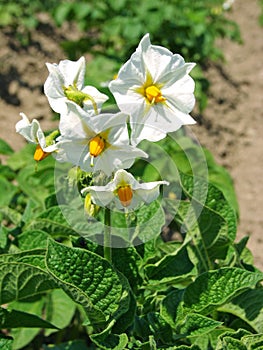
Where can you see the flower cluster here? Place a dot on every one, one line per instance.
(154, 95)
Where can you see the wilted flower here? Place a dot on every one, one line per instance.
(125, 191)
(66, 82)
(97, 143)
(155, 89)
(33, 133)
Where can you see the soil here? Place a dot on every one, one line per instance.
(230, 126)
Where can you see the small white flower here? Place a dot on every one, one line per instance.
(33, 133)
(155, 89)
(66, 82)
(97, 143)
(125, 191)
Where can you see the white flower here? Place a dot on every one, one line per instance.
(125, 191)
(33, 133)
(155, 89)
(228, 4)
(97, 143)
(66, 82)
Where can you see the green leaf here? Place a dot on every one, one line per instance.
(108, 341)
(57, 302)
(23, 336)
(127, 261)
(215, 288)
(71, 345)
(171, 268)
(196, 325)
(161, 330)
(206, 228)
(5, 148)
(3, 237)
(53, 222)
(37, 183)
(20, 280)
(206, 195)
(11, 214)
(7, 173)
(230, 343)
(16, 319)
(87, 278)
(232, 340)
(125, 316)
(220, 177)
(32, 239)
(185, 347)
(51, 201)
(249, 307)
(150, 220)
(170, 307)
(34, 257)
(253, 341)
(30, 211)
(5, 342)
(7, 190)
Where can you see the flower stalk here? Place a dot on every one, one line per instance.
(107, 234)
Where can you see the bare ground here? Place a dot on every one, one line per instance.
(231, 127)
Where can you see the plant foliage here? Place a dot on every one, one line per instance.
(200, 291)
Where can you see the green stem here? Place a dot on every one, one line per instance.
(107, 234)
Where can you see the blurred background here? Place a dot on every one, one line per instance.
(224, 38)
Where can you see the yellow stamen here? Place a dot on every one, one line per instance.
(153, 94)
(40, 154)
(96, 146)
(125, 195)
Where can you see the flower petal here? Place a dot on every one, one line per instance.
(73, 72)
(99, 195)
(149, 191)
(31, 131)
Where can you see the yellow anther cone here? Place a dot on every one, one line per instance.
(40, 154)
(125, 195)
(96, 146)
(154, 94)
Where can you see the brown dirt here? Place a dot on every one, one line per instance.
(230, 127)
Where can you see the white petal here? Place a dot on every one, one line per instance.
(177, 75)
(105, 121)
(117, 157)
(73, 72)
(51, 148)
(149, 191)
(146, 132)
(124, 157)
(180, 106)
(64, 74)
(156, 59)
(31, 131)
(73, 151)
(75, 123)
(98, 97)
(53, 86)
(100, 195)
(129, 101)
